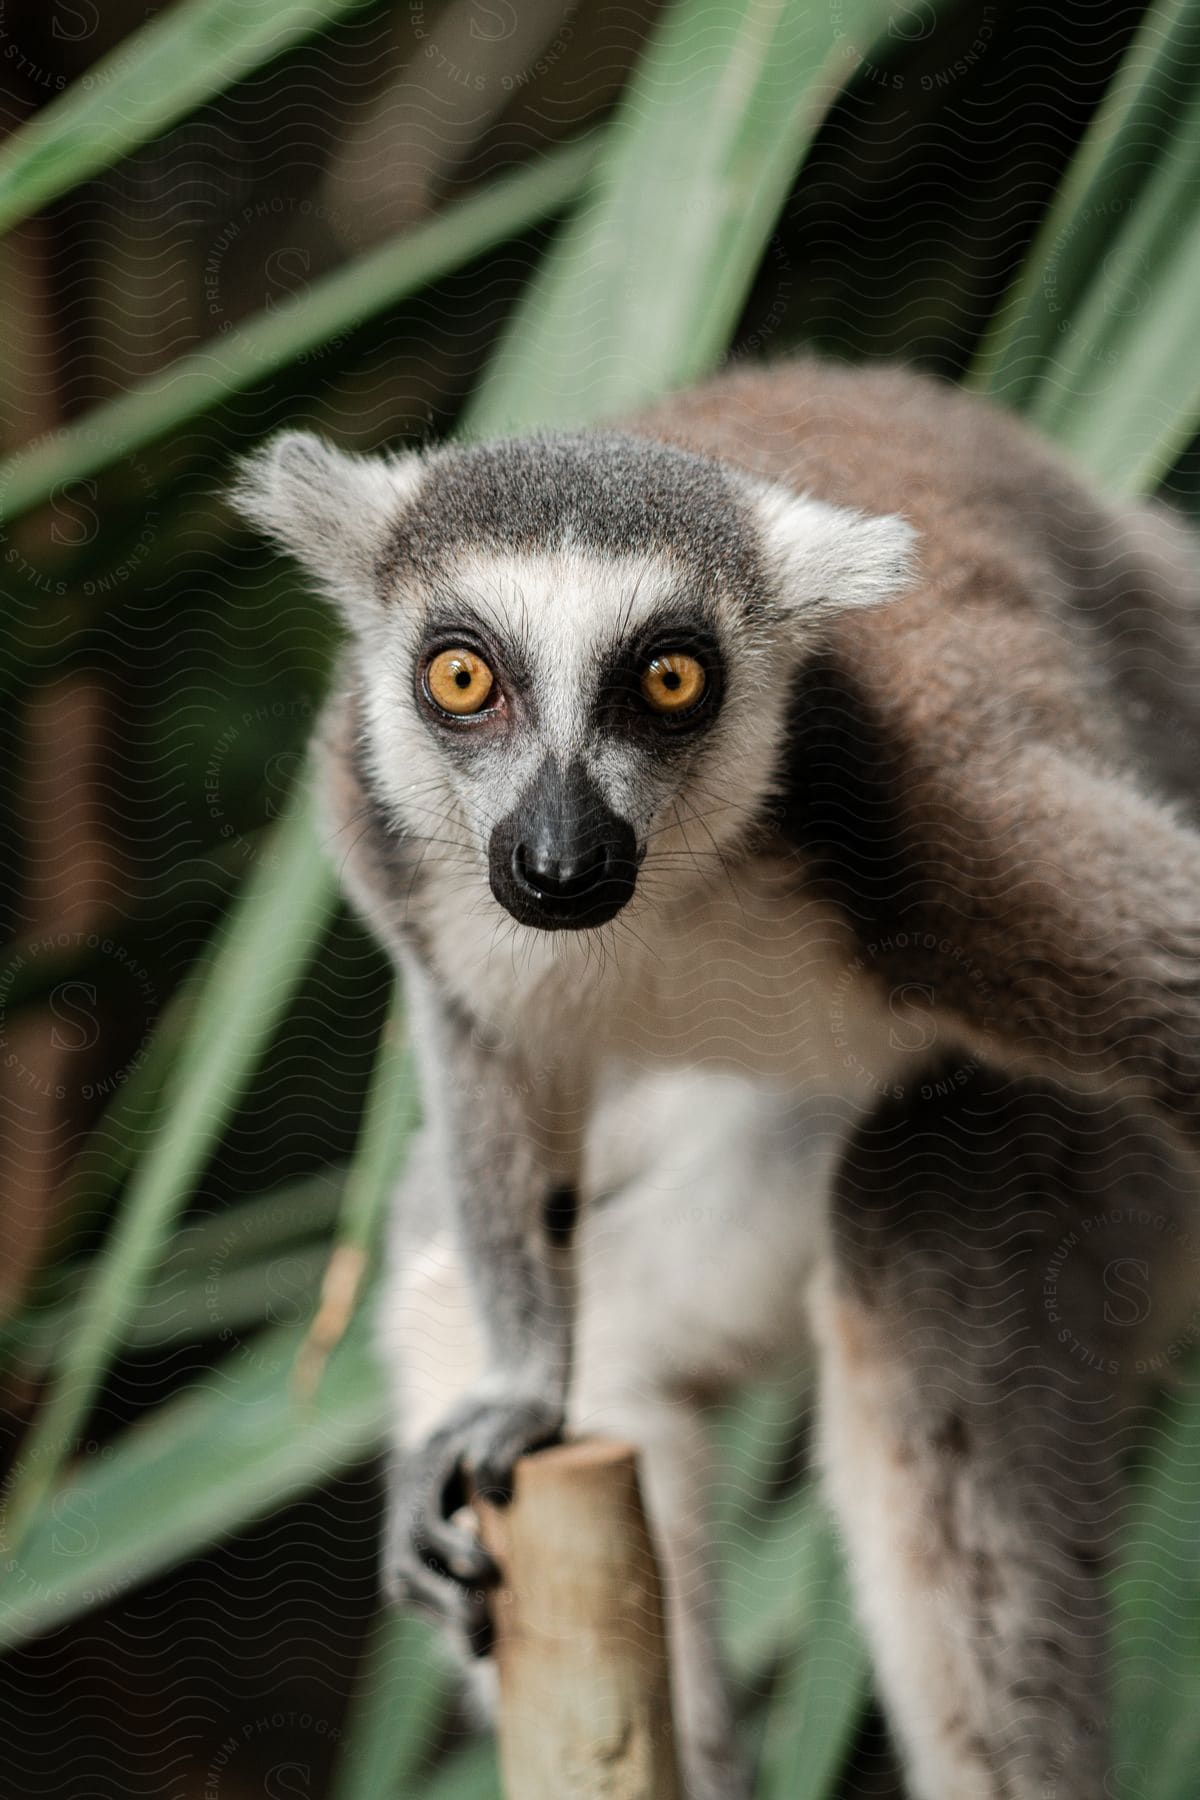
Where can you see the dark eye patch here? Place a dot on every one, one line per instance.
(620, 703)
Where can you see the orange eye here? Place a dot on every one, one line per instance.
(459, 681)
(673, 683)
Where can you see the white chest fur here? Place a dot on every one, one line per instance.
(750, 976)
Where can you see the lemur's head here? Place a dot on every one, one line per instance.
(575, 651)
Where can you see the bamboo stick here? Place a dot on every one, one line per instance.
(581, 1647)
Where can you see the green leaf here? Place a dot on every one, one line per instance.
(389, 1119)
(1139, 243)
(233, 1297)
(471, 1776)
(1097, 336)
(247, 1235)
(753, 1432)
(400, 1698)
(263, 1226)
(272, 340)
(1156, 1600)
(813, 1716)
(647, 281)
(189, 53)
(1125, 143)
(1132, 423)
(269, 940)
(228, 1450)
(771, 1581)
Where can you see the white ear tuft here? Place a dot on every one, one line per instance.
(330, 510)
(828, 559)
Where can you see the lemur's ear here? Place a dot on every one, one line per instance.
(331, 510)
(827, 559)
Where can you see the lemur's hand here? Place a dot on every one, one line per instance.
(431, 1560)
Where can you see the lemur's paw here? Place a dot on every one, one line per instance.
(434, 1558)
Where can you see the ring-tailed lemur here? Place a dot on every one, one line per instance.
(767, 806)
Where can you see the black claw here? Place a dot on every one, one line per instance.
(454, 1492)
(494, 1471)
(441, 1568)
(495, 1485)
(481, 1635)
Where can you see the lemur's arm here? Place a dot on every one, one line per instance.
(1022, 876)
(500, 1149)
(1081, 905)
(504, 1139)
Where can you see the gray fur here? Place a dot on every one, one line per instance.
(906, 982)
(616, 495)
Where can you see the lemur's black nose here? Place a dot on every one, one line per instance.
(562, 859)
(555, 877)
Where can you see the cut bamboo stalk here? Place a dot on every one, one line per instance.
(581, 1650)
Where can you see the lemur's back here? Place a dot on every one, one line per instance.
(979, 486)
(885, 439)
(1029, 585)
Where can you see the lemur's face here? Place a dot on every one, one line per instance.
(576, 652)
(567, 742)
